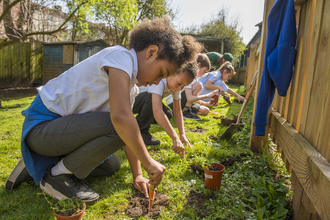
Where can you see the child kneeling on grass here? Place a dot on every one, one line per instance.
(83, 116)
(217, 80)
(150, 107)
(191, 103)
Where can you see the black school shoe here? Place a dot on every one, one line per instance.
(148, 139)
(18, 176)
(67, 186)
(187, 114)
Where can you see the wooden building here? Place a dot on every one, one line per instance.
(299, 123)
(61, 56)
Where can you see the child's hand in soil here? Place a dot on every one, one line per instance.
(141, 184)
(240, 98)
(178, 147)
(185, 141)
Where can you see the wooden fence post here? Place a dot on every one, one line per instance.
(258, 142)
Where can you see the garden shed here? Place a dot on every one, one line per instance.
(298, 123)
(61, 56)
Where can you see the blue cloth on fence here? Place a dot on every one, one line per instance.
(279, 59)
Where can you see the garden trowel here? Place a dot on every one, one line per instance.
(238, 125)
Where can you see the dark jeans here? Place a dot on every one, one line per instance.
(84, 140)
(143, 107)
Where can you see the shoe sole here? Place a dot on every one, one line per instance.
(14, 174)
(59, 196)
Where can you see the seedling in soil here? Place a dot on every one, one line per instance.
(209, 166)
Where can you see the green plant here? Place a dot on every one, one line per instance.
(65, 207)
(69, 206)
(181, 176)
(269, 198)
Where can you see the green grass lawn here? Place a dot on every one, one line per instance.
(253, 185)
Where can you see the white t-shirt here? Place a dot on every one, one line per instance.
(84, 87)
(143, 89)
(214, 77)
(163, 90)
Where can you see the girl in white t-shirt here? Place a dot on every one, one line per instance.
(150, 108)
(68, 131)
(191, 103)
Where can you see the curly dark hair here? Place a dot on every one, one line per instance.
(172, 46)
(191, 69)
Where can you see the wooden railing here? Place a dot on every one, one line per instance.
(299, 123)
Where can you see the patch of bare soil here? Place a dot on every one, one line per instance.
(227, 121)
(229, 161)
(215, 138)
(17, 92)
(236, 100)
(138, 206)
(197, 200)
(198, 129)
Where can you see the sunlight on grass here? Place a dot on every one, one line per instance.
(179, 180)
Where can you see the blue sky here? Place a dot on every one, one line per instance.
(196, 12)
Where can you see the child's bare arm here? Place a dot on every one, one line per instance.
(163, 121)
(232, 92)
(194, 98)
(140, 183)
(177, 112)
(126, 126)
(210, 85)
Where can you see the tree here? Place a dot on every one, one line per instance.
(21, 29)
(120, 16)
(222, 26)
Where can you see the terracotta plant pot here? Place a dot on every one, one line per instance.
(214, 99)
(73, 217)
(213, 177)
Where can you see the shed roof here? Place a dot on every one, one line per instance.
(77, 42)
(206, 37)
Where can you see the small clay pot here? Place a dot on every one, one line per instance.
(213, 177)
(73, 217)
(214, 99)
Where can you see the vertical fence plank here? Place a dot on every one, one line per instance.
(316, 115)
(304, 28)
(314, 30)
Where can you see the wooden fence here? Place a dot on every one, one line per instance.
(21, 65)
(299, 122)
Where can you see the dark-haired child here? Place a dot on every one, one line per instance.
(218, 59)
(150, 107)
(191, 103)
(83, 116)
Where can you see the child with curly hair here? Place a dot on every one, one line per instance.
(82, 117)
